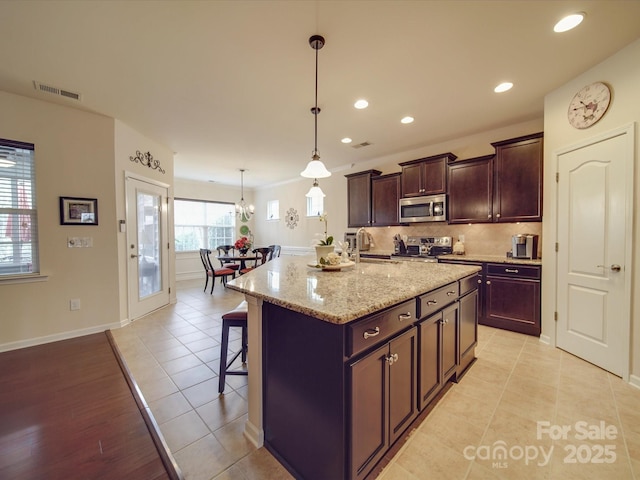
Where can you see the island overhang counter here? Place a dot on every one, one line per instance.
(321, 344)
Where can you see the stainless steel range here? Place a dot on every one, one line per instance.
(425, 249)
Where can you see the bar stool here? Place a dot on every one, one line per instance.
(235, 318)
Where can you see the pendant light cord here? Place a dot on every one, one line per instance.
(315, 111)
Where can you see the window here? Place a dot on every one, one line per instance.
(315, 206)
(200, 224)
(273, 210)
(18, 214)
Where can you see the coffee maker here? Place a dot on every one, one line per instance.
(524, 245)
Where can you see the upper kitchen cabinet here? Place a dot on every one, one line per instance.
(518, 179)
(425, 176)
(471, 190)
(500, 188)
(385, 193)
(359, 204)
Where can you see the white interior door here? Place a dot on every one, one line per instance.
(147, 247)
(595, 193)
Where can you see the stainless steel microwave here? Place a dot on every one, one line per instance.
(430, 208)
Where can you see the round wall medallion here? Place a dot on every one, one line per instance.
(292, 218)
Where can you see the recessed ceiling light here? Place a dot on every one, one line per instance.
(407, 120)
(503, 87)
(360, 104)
(569, 22)
(346, 140)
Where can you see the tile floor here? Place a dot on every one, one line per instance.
(516, 382)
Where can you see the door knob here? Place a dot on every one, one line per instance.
(134, 256)
(614, 268)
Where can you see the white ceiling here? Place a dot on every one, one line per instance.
(230, 84)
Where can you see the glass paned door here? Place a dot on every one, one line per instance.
(147, 247)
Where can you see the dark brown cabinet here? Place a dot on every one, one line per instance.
(467, 318)
(471, 190)
(508, 296)
(385, 194)
(425, 176)
(383, 386)
(512, 295)
(518, 179)
(359, 205)
(505, 187)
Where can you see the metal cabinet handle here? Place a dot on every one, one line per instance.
(391, 359)
(511, 270)
(367, 334)
(479, 281)
(450, 293)
(497, 215)
(432, 302)
(488, 282)
(444, 321)
(404, 316)
(489, 216)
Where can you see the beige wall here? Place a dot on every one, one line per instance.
(74, 153)
(77, 154)
(622, 73)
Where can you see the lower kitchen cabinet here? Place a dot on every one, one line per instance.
(383, 393)
(512, 295)
(508, 296)
(467, 328)
(438, 352)
(337, 397)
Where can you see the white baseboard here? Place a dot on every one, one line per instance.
(634, 380)
(31, 342)
(190, 276)
(254, 434)
(545, 339)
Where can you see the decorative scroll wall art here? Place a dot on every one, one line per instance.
(147, 160)
(292, 218)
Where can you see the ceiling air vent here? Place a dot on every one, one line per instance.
(41, 87)
(360, 145)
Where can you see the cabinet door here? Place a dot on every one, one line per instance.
(449, 341)
(435, 177)
(412, 180)
(468, 311)
(430, 356)
(359, 200)
(369, 411)
(385, 196)
(470, 186)
(513, 304)
(403, 380)
(518, 181)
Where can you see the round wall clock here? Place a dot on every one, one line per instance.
(589, 105)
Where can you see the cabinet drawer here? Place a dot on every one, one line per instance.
(469, 283)
(433, 301)
(371, 331)
(513, 270)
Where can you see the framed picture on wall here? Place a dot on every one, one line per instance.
(78, 211)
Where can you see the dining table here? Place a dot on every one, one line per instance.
(242, 259)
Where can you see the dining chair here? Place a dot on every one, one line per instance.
(262, 255)
(211, 272)
(227, 250)
(275, 251)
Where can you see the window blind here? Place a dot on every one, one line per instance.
(18, 213)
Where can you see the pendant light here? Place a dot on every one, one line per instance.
(243, 212)
(315, 168)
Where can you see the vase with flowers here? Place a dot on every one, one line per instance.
(325, 246)
(243, 244)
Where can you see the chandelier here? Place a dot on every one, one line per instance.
(315, 168)
(243, 212)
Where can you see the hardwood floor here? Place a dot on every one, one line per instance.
(67, 411)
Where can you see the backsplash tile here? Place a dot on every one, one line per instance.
(480, 238)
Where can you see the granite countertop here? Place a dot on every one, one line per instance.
(491, 259)
(342, 296)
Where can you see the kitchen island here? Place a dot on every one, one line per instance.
(342, 362)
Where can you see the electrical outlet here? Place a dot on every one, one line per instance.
(74, 304)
